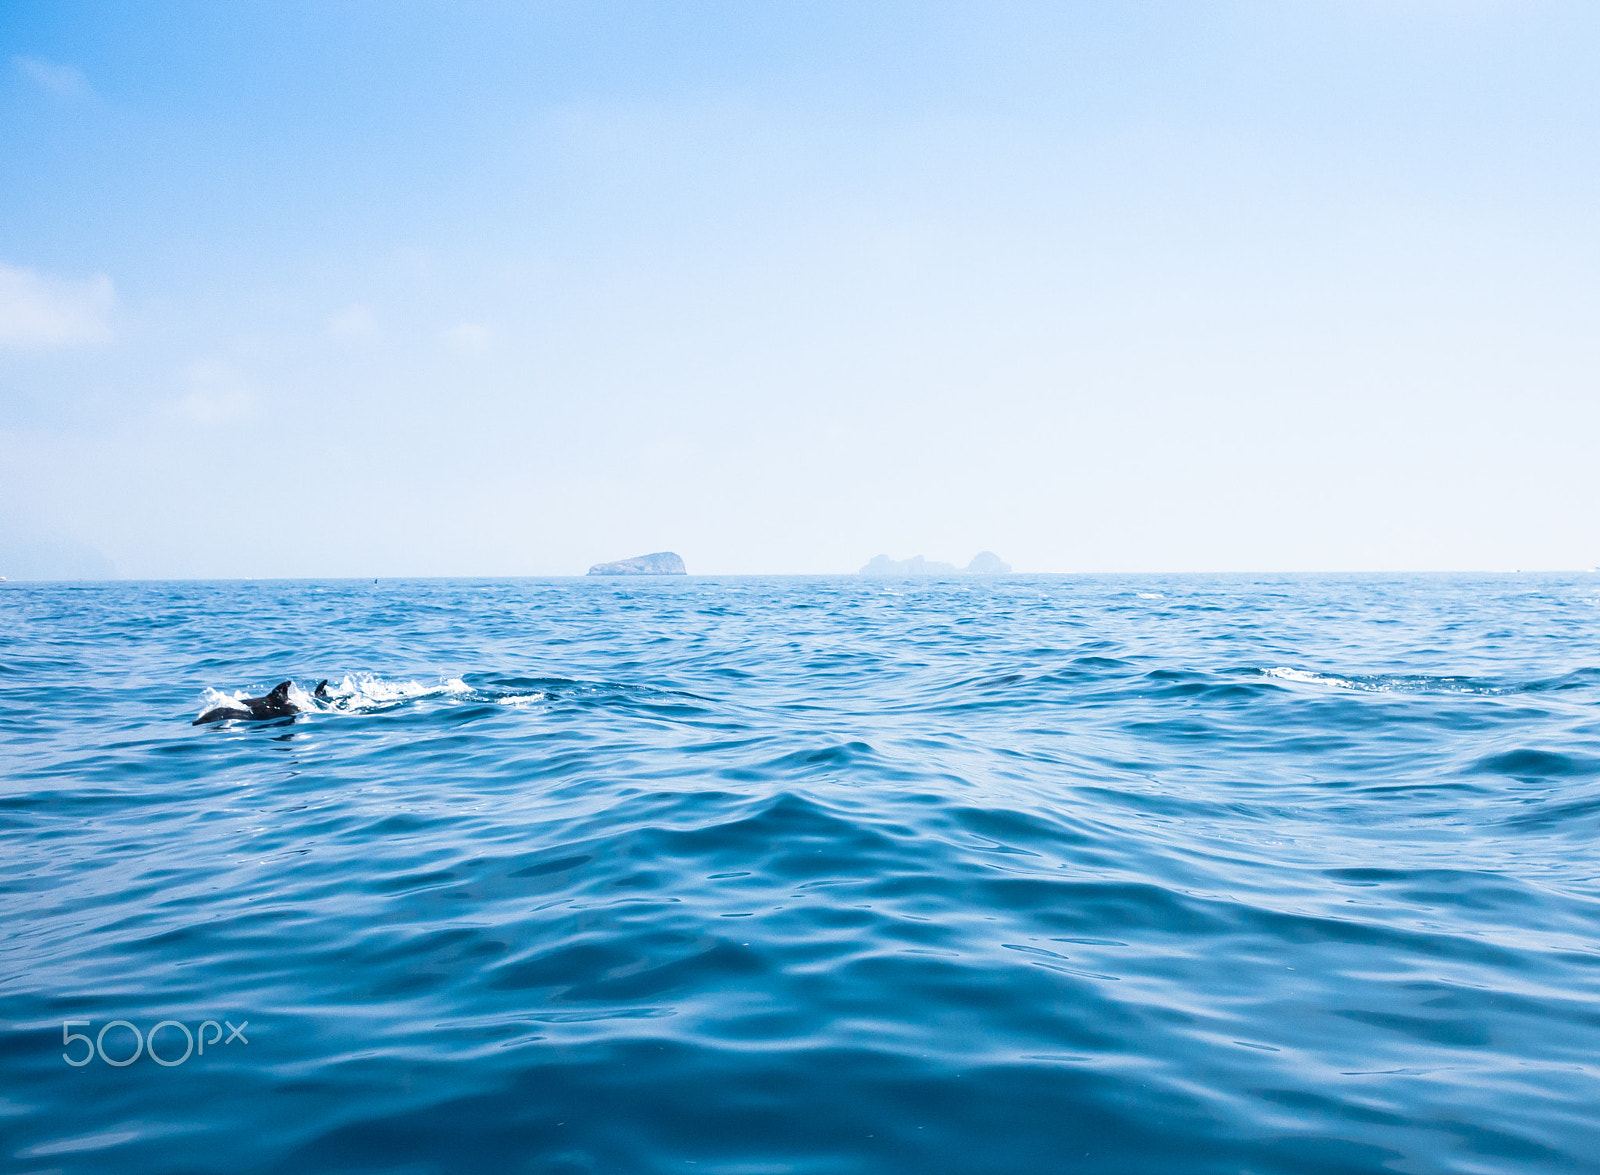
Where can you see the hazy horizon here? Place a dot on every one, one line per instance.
(1016, 573)
(417, 291)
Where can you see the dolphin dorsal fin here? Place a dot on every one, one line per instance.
(280, 692)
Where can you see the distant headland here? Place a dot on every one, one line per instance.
(983, 563)
(659, 563)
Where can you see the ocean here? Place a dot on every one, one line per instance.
(754, 875)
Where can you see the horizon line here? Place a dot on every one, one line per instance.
(959, 576)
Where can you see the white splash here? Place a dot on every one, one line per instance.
(215, 698)
(357, 693)
(1285, 673)
(1381, 684)
(364, 691)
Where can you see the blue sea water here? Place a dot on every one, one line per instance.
(1088, 874)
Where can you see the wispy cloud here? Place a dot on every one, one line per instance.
(217, 392)
(354, 323)
(40, 311)
(468, 337)
(61, 80)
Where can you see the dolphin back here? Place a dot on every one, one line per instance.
(275, 704)
(220, 714)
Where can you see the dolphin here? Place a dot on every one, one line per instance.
(275, 704)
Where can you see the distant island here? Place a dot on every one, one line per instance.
(983, 563)
(659, 563)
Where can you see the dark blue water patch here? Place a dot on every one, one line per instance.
(1531, 763)
(1186, 874)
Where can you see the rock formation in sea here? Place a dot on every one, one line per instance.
(984, 563)
(988, 563)
(659, 563)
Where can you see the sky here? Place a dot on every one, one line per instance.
(293, 289)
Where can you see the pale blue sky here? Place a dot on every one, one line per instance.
(386, 289)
